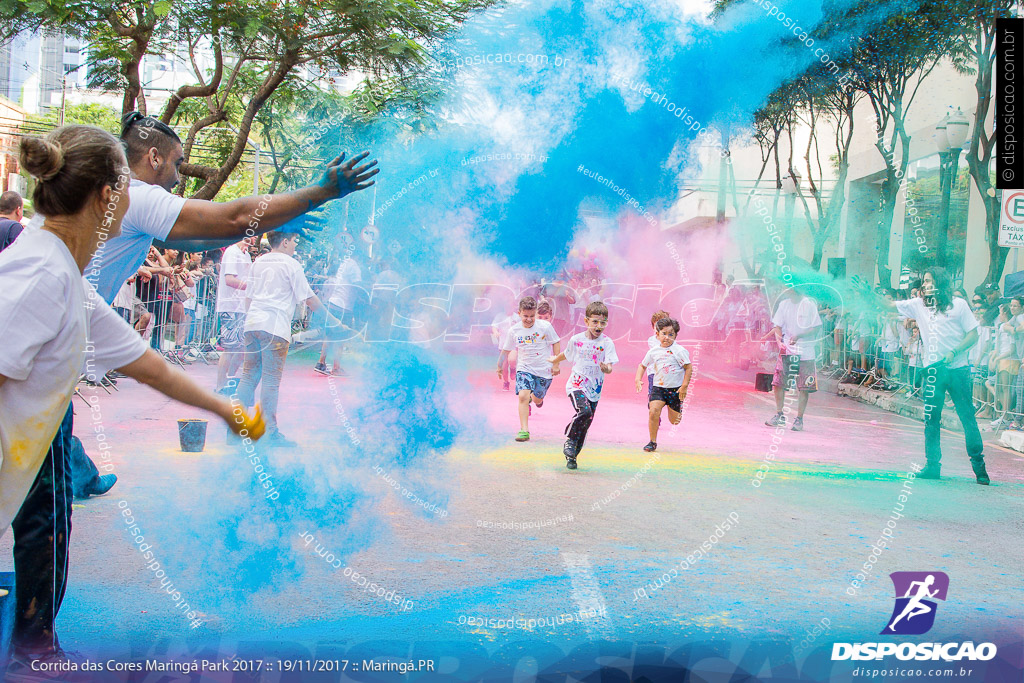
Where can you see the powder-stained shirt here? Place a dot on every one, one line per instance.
(669, 365)
(534, 344)
(54, 326)
(587, 355)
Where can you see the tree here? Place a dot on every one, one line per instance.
(889, 63)
(975, 48)
(823, 98)
(257, 47)
(88, 114)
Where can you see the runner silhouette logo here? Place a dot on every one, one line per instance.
(916, 595)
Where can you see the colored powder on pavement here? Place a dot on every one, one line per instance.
(499, 193)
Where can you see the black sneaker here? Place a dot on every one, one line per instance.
(930, 471)
(321, 368)
(651, 447)
(778, 420)
(52, 665)
(798, 424)
(980, 473)
(569, 451)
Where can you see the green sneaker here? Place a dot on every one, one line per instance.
(523, 436)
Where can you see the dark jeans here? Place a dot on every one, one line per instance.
(937, 380)
(585, 409)
(84, 474)
(42, 530)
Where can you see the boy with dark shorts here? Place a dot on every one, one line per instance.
(796, 325)
(534, 340)
(593, 355)
(671, 371)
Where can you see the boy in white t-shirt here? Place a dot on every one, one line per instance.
(534, 341)
(669, 366)
(276, 285)
(592, 355)
(796, 324)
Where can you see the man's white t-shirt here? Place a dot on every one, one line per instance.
(151, 215)
(668, 365)
(940, 332)
(534, 344)
(797, 319)
(586, 356)
(49, 313)
(276, 285)
(340, 285)
(237, 262)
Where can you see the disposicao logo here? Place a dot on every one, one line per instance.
(914, 614)
(914, 611)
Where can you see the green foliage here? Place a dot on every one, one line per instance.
(89, 114)
(261, 48)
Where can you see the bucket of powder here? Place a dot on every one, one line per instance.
(763, 381)
(192, 435)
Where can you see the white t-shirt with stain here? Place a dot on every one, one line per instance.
(534, 344)
(54, 327)
(587, 355)
(668, 365)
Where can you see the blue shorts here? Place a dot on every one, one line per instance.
(532, 383)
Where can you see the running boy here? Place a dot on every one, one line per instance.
(671, 372)
(276, 285)
(535, 340)
(592, 355)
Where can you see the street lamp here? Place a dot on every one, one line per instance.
(950, 136)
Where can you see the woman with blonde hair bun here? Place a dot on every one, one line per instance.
(54, 328)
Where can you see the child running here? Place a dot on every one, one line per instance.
(535, 341)
(592, 355)
(671, 368)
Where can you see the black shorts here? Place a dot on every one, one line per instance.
(668, 395)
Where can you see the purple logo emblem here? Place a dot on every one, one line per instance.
(916, 593)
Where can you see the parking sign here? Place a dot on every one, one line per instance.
(1011, 219)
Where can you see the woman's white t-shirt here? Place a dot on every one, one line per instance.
(54, 327)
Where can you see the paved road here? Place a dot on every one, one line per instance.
(497, 530)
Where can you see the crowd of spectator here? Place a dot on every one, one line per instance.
(884, 351)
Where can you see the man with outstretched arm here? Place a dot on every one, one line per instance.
(154, 154)
(948, 331)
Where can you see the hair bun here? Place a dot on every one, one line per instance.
(41, 158)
